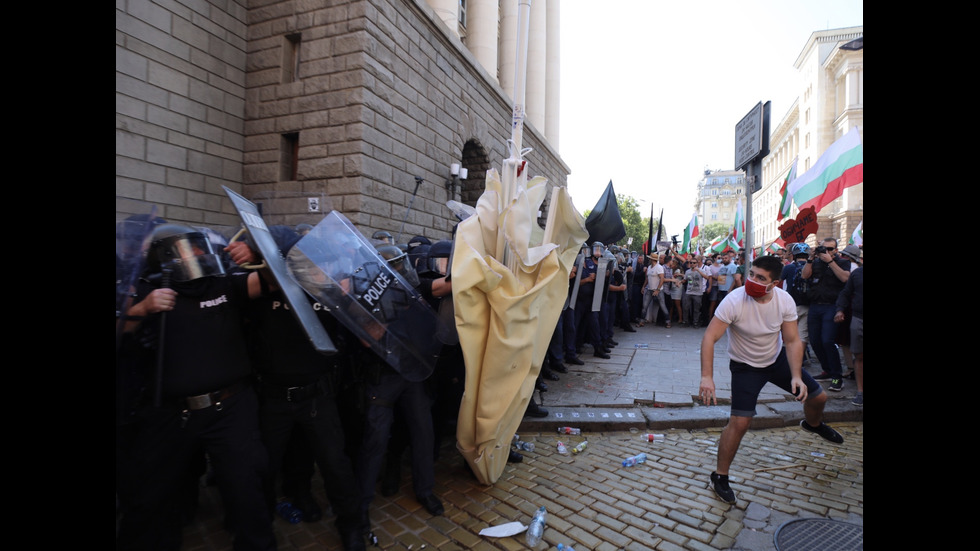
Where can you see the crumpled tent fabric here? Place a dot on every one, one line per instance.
(507, 305)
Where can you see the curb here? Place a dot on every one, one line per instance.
(613, 418)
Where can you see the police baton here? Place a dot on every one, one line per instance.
(418, 182)
(158, 375)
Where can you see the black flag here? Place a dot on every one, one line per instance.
(604, 223)
(660, 230)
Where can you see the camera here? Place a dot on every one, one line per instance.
(820, 250)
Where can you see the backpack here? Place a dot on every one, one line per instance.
(800, 289)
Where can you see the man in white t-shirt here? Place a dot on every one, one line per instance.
(764, 346)
(653, 298)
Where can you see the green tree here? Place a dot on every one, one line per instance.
(708, 233)
(637, 226)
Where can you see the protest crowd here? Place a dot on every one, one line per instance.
(217, 380)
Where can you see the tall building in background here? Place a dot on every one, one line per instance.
(831, 70)
(329, 104)
(719, 192)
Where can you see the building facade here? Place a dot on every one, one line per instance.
(831, 69)
(332, 104)
(719, 193)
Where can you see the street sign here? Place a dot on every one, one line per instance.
(748, 137)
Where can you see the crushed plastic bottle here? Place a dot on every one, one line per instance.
(653, 437)
(569, 430)
(562, 449)
(636, 459)
(580, 447)
(536, 529)
(563, 547)
(524, 446)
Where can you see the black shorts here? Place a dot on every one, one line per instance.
(747, 383)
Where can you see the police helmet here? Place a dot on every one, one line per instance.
(385, 236)
(437, 260)
(398, 260)
(185, 252)
(800, 249)
(418, 240)
(417, 256)
(285, 237)
(599, 245)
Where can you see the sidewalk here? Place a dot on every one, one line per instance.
(651, 380)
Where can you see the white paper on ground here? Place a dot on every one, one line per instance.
(504, 530)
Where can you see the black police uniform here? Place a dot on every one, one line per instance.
(205, 401)
(297, 389)
(587, 321)
(386, 391)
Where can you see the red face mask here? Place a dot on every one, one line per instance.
(756, 290)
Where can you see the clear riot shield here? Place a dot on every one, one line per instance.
(606, 263)
(579, 265)
(132, 241)
(343, 271)
(299, 305)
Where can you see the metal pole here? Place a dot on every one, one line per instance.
(752, 168)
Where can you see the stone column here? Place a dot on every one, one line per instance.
(448, 11)
(508, 47)
(536, 64)
(481, 33)
(552, 107)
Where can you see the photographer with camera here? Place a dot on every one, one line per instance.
(828, 272)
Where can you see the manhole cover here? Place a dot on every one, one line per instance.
(819, 534)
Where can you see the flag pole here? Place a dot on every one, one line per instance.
(514, 168)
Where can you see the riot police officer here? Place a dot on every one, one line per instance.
(298, 389)
(194, 322)
(586, 320)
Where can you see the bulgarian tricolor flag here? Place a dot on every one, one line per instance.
(722, 244)
(739, 231)
(773, 248)
(690, 232)
(785, 201)
(840, 167)
(857, 238)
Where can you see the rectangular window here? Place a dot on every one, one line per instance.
(288, 157)
(462, 13)
(290, 58)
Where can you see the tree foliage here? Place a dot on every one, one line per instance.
(708, 233)
(637, 226)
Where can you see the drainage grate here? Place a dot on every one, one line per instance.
(819, 534)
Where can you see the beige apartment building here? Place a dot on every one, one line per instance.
(831, 70)
(719, 193)
(313, 105)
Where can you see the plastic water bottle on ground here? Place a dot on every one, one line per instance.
(563, 547)
(569, 430)
(580, 447)
(653, 437)
(289, 513)
(635, 460)
(524, 446)
(562, 449)
(536, 529)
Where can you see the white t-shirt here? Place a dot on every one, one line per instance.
(654, 273)
(754, 335)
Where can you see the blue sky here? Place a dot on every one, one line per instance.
(651, 90)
